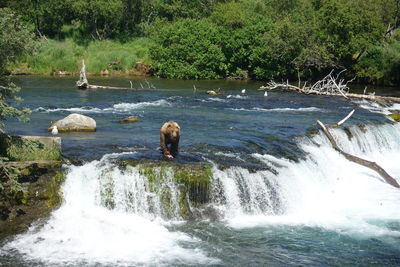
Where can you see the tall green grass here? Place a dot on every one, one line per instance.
(53, 56)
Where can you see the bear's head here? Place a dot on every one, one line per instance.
(172, 129)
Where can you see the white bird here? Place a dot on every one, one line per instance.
(243, 91)
(54, 131)
(265, 93)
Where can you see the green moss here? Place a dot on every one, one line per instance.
(129, 119)
(53, 192)
(107, 189)
(17, 148)
(395, 116)
(193, 183)
(21, 197)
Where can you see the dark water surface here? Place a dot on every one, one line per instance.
(231, 122)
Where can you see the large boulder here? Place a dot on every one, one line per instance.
(75, 123)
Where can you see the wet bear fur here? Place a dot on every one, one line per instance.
(169, 138)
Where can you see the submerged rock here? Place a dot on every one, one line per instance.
(75, 123)
(211, 92)
(395, 115)
(129, 119)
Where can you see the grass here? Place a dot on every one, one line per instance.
(53, 56)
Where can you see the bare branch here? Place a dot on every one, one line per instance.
(346, 118)
(329, 85)
(366, 163)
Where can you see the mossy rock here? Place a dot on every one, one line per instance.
(38, 194)
(129, 119)
(395, 116)
(192, 180)
(30, 148)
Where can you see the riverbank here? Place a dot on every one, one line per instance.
(101, 58)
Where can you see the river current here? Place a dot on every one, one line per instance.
(283, 195)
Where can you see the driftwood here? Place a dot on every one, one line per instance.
(366, 163)
(330, 86)
(84, 84)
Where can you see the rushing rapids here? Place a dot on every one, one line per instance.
(254, 182)
(111, 215)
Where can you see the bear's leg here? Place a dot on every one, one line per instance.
(174, 149)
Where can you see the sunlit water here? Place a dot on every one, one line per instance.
(284, 196)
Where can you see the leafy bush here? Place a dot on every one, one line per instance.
(188, 49)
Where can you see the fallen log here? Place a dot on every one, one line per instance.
(91, 86)
(83, 82)
(329, 86)
(366, 163)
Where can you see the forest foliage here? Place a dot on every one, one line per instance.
(15, 40)
(259, 39)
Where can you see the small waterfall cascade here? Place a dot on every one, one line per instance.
(323, 188)
(152, 190)
(115, 213)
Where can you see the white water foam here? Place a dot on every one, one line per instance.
(214, 99)
(323, 190)
(309, 109)
(117, 108)
(84, 231)
(377, 108)
(237, 96)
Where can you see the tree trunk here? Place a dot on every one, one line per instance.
(366, 163)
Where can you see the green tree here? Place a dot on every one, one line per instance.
(15, 39)
(349, 28)
(187, 49)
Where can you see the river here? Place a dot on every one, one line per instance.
(283, 195)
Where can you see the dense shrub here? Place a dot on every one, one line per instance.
(187, 49)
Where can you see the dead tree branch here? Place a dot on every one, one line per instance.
(83, 83)
(331, 86)
(366, 163)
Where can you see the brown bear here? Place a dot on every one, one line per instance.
(169, 135)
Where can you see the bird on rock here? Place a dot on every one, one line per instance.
(54, 131)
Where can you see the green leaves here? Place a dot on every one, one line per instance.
(15, 39)
(189, 49)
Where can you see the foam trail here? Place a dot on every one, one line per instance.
(323, 190)
(108, 217)
(116, 108)
(376, 107)
(309, 109)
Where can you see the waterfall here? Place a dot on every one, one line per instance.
(122, 215)
(110, 215)
(323, 190)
